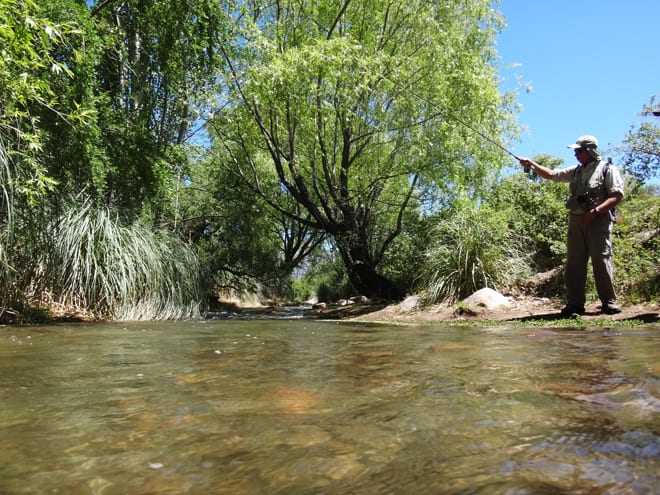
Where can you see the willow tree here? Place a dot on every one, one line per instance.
(357, 107)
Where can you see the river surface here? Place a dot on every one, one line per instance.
(313, 407)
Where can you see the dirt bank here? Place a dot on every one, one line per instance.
(519, 309)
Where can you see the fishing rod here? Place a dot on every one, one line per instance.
(482, 135)
(451, 116)
(526, 168)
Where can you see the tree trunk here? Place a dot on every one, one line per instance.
(365, 278)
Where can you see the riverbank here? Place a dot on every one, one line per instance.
(519, 309)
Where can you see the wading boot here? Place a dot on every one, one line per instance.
(610, 309)
(571, 311)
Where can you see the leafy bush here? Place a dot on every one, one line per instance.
(536, 213)
(636, 244)
(404, 260)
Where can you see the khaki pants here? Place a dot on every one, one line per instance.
(589, 241)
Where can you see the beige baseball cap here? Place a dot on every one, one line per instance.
(585, 142)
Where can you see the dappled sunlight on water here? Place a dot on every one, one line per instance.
(319, 407)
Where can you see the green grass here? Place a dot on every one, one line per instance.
(577, 324)
(122, 272)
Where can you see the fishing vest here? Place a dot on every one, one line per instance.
(588, 188)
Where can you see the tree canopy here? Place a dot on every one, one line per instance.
(354, 106)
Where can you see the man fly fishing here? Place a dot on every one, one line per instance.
(596, 187)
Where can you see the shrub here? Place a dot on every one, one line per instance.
(636, 243)
(125, 272)
(536, 213)
(472, 249)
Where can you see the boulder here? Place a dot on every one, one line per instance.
(410, 303)
(488, 298)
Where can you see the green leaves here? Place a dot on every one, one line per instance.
(641, 148)
(31, 71)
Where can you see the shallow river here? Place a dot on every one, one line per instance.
(308, 407)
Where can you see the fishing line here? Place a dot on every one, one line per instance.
(492, 141)
(446, 114)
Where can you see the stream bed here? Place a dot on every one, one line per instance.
(319, 407)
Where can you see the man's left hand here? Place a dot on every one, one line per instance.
(589, 216)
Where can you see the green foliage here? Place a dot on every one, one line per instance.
(473, 248)
(30, 70)
(95, 98)
(636, 246)
(146, 72)
(640, 150)
(404, 262)
(125, 272)
(102, 98)
(535, 212)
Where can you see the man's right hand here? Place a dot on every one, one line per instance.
(539, 170)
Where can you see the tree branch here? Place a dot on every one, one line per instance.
(101, 5)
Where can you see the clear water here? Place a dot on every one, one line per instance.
(308, 407)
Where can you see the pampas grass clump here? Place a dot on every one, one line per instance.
(471, 250)
(123, 272)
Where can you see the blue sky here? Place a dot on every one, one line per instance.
(592, 66)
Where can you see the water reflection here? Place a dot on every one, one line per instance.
(319, 407)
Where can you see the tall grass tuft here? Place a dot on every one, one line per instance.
(7, 273)
(123, 272)
(471, 250)
(5, 201)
